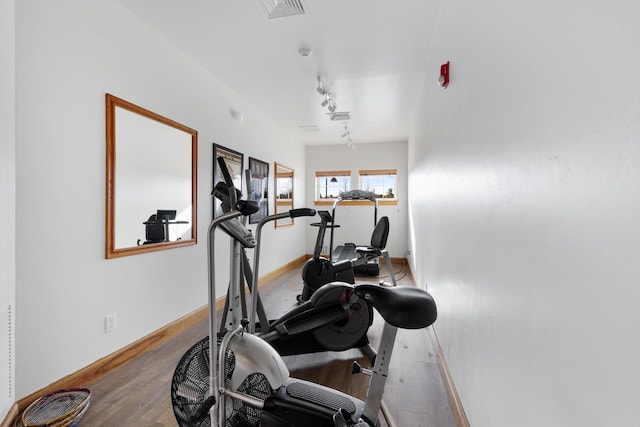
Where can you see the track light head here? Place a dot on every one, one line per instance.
(329, 100)
(322, 88)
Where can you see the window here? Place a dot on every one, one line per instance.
(381, 181)
(329, 184)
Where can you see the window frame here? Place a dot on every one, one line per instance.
(327, 174)
(381, 172)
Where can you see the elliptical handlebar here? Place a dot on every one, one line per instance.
(293, 213)
(213, 380)
(228, 180)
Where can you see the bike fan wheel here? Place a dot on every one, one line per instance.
(190, 390)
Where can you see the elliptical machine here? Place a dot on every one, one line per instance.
(246, 383)
(333, 319)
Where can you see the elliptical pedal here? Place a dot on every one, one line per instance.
(319, 395)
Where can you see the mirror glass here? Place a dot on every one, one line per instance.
(284, 193)
(151, 181)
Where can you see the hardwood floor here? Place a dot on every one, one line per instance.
(138, 393)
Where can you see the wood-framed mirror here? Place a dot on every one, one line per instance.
(283, 193)
(151, 181)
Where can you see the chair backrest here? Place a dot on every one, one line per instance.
(380, 233)
(154, 231)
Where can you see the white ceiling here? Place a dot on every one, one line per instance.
(370, 53)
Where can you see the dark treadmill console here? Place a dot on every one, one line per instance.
(326, 218)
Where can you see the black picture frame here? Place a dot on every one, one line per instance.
(258, 188)
(235, 165)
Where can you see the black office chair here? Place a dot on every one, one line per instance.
(154, 231)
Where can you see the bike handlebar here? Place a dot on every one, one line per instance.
(295, 213)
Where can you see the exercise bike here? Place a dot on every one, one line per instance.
(318, 270)
(246, 382)
(333, 319)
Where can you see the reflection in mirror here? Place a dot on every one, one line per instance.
(284, 193)
(151, 181)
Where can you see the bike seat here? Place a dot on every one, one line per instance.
(404, 307)
(368, 251)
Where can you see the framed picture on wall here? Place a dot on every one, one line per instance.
(259, 188)
(235, 165)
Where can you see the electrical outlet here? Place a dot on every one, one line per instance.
(407, 254)
(110, 322)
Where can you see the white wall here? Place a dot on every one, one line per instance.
(525, 208)
(7, 192)
(69, 54)
(356, 222)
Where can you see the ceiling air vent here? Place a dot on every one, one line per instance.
(339, 115)
(281, 8)
(309, 128)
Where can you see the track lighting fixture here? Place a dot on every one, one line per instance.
(322, 88)
(347, 134)
(329, 101)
